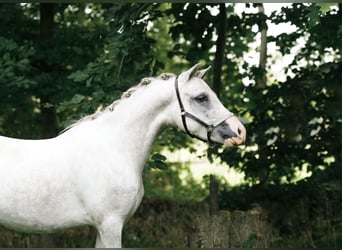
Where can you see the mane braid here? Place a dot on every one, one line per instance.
(110, 108)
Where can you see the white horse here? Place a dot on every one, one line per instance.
(91, 174)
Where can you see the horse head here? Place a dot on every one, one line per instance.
(203, 116)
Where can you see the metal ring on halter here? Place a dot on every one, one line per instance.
(184, 114)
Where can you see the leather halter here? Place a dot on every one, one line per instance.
(210, 127)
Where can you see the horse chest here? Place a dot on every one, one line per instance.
(111, 190)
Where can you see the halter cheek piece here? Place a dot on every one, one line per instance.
(210, 127)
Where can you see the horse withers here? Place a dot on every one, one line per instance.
(91, 174)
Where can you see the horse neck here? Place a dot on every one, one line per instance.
(136, 121)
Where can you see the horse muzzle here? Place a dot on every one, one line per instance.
(232, 131)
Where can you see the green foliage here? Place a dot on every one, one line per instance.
(14, 64)
(164, 181)
(310, 206)
(99, 50)
(122, 61)
(34, 71)
(250, 242)
(295, 123)
(157, 161)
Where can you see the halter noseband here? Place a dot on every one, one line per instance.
(210, 127)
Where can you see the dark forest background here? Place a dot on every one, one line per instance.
(59, 62)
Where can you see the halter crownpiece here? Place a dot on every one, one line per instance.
(210, 127)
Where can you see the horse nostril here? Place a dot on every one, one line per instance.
(239, 131)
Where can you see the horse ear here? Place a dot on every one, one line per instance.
(201, 73)
(187, 75)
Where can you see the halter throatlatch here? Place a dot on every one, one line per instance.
(210, 127)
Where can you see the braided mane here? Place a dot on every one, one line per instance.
(110, 108)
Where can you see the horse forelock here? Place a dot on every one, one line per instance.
(111, 107)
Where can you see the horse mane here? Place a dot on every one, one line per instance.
(110, 108)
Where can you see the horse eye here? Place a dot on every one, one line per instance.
(202, 98)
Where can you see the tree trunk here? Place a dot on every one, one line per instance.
(48, 111)
(213, 196)
(236, 229)
(261, 79)
(217, 85)
(220, 49)
(46, 20)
